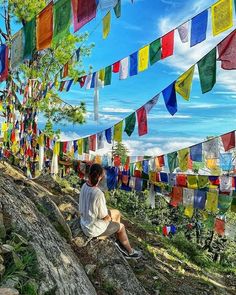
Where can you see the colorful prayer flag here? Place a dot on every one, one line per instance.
(151, 103)
(176, 196)
(199, 28)
(222, 16)
(183, 159)
(106, 25)
(92, 142)
(30, 38)
(130, 122)
(3, 62)
(62, 18)
(86, 145)
(207, 71)
(228, 140)
(167, 43)
(80, 146)
(133, 67)
(183, 32)
(100, 141)
(142, 121)
(188, 197)
(108, 135)
(17, 49)
(124, 68)
(224, 203)
(108, 74)
(143, 57)
(196, 153)
(155, 51)
(44, 27)
(116, 67)
(226, 162)
(170, 98)
(212, 201)
(117, 9)
(184, 83)
(192, 181)
(227, 52)
(173, 161)
(199, 199)
(117, 136)
(107, 4)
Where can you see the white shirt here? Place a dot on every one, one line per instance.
(92, 208)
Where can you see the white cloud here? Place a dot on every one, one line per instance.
(116, 110)
(203, 106)
(168, 116)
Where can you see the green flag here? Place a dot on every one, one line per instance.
(117, 9)
(172, 161)
(86, 145)
(207, 71)
(107, 79)
(224, 202)
(30, 40)
(155, 51)
(130, 122)
(62, 19)
(203, 181)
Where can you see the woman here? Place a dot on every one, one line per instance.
(96, 220)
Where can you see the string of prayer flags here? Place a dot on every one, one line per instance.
(183, 159)
(227, 52)
(133, 68)
(3, 62)
(196, 153)
(155, 51)
(117, 9)
(199, 28)
(183, 84)
(222, 16)
(44, 27)
(142, 121)
(124, 68)
(183, 32)
(228, 140)
(106, 25)
(117, 136)
(169, 95)
(62, 17)
(83, 12)
(167, 42)
(130, 122)
(143, 57)
(207, 71)
(30, 38)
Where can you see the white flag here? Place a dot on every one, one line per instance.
(183, 32)
(124, 68)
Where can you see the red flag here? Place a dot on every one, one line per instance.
(167, 42)
(176, 196)
(220, 227)
(117, 161)
(228, 140)
(181, 180)
(92, 142)
(65, 70)
(4, 62)
(82, 81)
(64, 147)
(142, 121)
(161, 161)
(227, 52)
(116, 67)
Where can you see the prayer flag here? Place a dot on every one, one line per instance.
(151, 103)
(188, 211)
(228, 140)
(82, 81)
(83, 12)
(107, 4)
(75, 145)
(130, 122)
(155, 51)
(188, 197)
(92, 142)
(108, 73)
(17, 49)
(116, 67)
(172, 161)
(199, 199)
(133, 59)
(167, 43)
(211, 163)
(222, 16)
(183, 32)
(106, 25)
(196, 153)
(69, 84)
(30, 38)
(100, 142)
(117, 9)
(184, 83)
(192, 181)
(88, 81)
(62, 17)
(108, 135)
(199, 28)
(142, 121)
(224, 202)
(233, 204)
(44, 27)
(212, 201)
(143, 57)
(219, 227)
(226, 162)
(124, 68)
(176, 196)
(3, 62)
(170, 98)
(80, 146)
(211, 148)
(86, 145)
(203, 181)
(117, 136)
(77, 54)
(207, 71)
(181, 180)
(227, 52)
(183, 159)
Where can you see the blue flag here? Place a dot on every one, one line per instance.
(199, 28)
(133, 70)
(226, 161)
(108, 135)
(93, 80)
(169, 95)
(69, 85)
(199, 199)
(196, 153)
(75, 144)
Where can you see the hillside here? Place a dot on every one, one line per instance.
(46, 252)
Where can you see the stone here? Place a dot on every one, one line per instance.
(2, 227)
(8, 291)
(6, 248)
(1, 259)
(2, 269)
(12, 282)
(90, 269)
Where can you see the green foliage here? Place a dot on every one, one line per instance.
(109, 288)
(119, 149)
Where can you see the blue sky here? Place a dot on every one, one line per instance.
(140, 23)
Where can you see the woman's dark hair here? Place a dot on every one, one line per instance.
(95, 172)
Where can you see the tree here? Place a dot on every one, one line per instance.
(119, 149)
(45, 65)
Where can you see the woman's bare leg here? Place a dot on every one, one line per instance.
(115, 215)
(123, 238)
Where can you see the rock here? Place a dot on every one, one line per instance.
(90, 269)
(2, 226)
(1, 259)
(12, 282)
(2, 269)
(6, 248)
(47, 181)
(8, 291)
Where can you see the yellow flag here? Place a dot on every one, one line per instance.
(183, 159)
(143, 57)
(188, 211)
(41, 139)
(184, 84)
(56, 148)
(98, 159)
(4, 127)
(212, 201)
(138, 166)
(102, 75)
(211, 163)
(106, 24)
(222, 16)
(192, 181)
(80, 146)
(117, 136)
